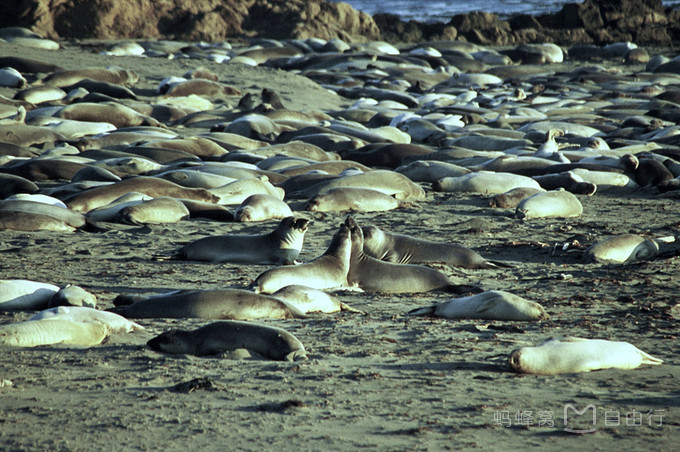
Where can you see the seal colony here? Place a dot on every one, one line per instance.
(405, 122)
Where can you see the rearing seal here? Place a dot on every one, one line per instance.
(281, 246)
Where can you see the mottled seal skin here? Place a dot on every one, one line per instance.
(325, 272)
(404, 249)
(53, 331)
(621, 249)
(219, 337)
(492, 305)
(281, 246)
(549, 204)
(233, 304)
(373, 275)
(574, 354)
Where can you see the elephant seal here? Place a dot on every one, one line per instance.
(236, 304)
(404, 249)
(261, 207)
(219, 337)
(309, 300)
(71, 295)
(373, 275)
(574, 354)
(621, 249)
(161, 210)
(492, 305)
(549, 204)
(281, 246)
(511, 198)
(325, 272)
(151, 186)
(117, 323)
(484, 182)
(53, 331)
(352, 198)
(23, 294)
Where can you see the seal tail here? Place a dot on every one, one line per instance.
(425, 311)
(348, 308)
(499, 264)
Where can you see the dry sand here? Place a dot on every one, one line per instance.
(383, 381)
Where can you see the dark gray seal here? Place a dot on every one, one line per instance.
(220, 337)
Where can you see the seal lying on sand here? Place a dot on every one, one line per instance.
(34, 333)
(493, 305)
(403, 249)
(219, 337)
(575, 354)
(234, 304)
(621, 249)
(281, 246)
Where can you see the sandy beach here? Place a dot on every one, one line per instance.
(384, 380)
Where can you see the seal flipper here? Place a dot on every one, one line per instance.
(425, 311)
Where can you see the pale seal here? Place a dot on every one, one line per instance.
(574, 354)
(549, 204)
(352, 198)
(22, 294)
(261, 207)
(234, 304)
(161, 210)
(310, 300)
(220, 337)
(325, 272)
(117, 323)
(281, 246)
(53, 331)
(491, 305)
(621, 249)
(373, 275)
(404, 249)
(484, 182)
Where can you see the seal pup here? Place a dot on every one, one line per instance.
(492, 305)
(621, 249)
(549, 204)
(404, 249)
(53, 331)
(373, 275)
(219, 337)
(310, 300)
(233, 304)
(325, 272)
(281, 246)
(117, 323)
(575, 354)
(261, 207)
